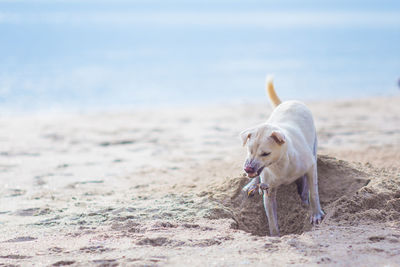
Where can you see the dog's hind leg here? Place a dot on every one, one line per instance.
(317, 213)
(303, 190)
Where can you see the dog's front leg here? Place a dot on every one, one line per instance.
(317, 213)
(252, 187)
(271, 211)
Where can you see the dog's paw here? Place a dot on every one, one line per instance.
(317, 218)
(251, 190)
(263, 187)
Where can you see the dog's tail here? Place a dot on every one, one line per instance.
(275, 101)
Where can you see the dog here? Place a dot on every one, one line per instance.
(282, 151)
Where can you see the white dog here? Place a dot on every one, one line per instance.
(281, 151)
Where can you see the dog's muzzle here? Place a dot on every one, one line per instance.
(252, 172)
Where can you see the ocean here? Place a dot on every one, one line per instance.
(86, 55)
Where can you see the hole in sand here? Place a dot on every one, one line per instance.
(336, 179)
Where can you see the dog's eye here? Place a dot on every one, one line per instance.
(265, 154)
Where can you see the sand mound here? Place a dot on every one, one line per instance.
(347, 196)
(377, 202)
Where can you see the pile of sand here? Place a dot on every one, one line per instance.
(350, 193)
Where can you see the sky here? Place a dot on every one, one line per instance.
(124, 54)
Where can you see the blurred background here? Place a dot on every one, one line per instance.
(94, 54)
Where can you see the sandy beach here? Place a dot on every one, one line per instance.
(162, 187)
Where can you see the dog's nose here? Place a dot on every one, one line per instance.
(248, 169)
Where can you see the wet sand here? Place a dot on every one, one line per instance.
(163, 187)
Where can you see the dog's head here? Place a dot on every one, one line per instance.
(265, 145)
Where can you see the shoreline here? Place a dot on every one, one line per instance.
(112, 109)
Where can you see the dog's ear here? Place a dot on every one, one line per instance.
(245, 135)
(278, 137)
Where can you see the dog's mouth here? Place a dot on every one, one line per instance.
(257, 173)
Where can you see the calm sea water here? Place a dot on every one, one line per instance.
(124, 54)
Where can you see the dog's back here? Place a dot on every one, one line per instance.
(294, 117)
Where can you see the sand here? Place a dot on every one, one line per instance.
(163, 187)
